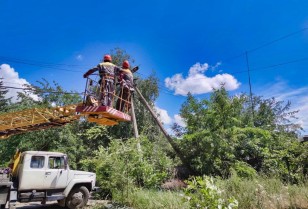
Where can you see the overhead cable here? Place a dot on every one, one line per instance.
(39, 90)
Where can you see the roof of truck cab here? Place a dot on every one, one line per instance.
(42, 153)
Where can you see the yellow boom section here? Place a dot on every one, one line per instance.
(35, 119)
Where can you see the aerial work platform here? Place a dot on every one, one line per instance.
(103, 115)
(96, 95)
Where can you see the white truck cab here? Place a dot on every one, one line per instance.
(46, 176)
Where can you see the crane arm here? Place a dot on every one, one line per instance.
(35, 119)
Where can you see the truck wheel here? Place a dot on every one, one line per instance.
(77, 198)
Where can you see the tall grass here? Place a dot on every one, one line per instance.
(150, 199)
(153, 199)
(265, 193)
(256, 193)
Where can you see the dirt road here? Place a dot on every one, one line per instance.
(53, 205)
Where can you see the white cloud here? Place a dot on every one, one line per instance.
(198, 83)
(79, 57)
(12, 79)
(298, 98)
(168, 120)
(300, 102)
(179, 120)
(214, 67)
(163, 115)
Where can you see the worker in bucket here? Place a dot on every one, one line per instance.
(107, 71)
(125, 79)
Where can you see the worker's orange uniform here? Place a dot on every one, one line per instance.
(126, 89)
(107, 72)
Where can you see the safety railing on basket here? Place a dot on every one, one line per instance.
(106, 91)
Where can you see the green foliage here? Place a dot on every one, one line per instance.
(119, 55)
(263, 192)
(220, 136)
(46, 94)
(4, 101)
(201, 192)
(55, 94)
(122, 166)
(155, 199)
(244, 170)
(149, 199)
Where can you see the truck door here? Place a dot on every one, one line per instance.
(32, 175)
(56, 174)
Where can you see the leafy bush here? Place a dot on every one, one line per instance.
(201, 192)
(121, 167)
(243, 169)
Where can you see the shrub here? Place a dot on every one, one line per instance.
(201, 192)
(244, 170)
(121, 167)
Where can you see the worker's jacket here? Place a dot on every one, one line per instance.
(107, 69)
(126, 79)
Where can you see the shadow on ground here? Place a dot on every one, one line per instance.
(38, 206)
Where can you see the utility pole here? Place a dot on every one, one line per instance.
(136, 133)
(251, 101)
(168, 137)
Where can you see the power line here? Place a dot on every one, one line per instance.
(46, 66)
(280, 64)
(57, 92)
(277, 40)
(272, 66)
(261, 68)
(39, 90)
(170, 92)
(266, 44)
(161, 87)
(40, 62)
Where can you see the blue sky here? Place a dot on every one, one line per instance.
(191, 45)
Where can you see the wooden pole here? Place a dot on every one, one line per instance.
(136, 133)
(170, 140)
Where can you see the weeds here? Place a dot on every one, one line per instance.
(264, 193)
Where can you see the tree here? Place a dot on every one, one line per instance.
(119, 55)
(219, 135)
(271, 114)
(4, 101)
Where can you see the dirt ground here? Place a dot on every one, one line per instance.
(53, 205)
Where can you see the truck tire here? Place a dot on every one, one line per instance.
(77, 198)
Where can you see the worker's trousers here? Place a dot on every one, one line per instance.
(107, 92)
(123, 102)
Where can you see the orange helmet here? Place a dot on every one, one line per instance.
(125, 64)
(108, 58)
